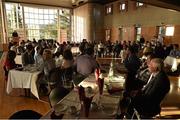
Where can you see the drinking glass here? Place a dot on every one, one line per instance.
(100, 86)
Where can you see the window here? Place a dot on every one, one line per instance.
(123, 6)
(108, 34)
(139, 4)
(169, 31)
(138, 33)
(38, 25)
(79, 29)
(14, 17)
(109, 9)
(39, 22)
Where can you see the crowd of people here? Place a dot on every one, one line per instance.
(146, 83)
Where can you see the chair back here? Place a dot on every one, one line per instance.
(26, 114)
(57, 94)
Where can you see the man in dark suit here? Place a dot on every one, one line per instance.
(147, 101)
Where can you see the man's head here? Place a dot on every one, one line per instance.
(47, 54)
(156, 65)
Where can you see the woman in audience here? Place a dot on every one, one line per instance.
(49, 62)
(47, 66)
(9, 62)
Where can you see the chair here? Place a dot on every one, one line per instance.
(26, 114)
(57, 94)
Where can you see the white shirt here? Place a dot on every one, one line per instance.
(150, 79)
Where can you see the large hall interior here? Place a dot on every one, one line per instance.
(89, 59)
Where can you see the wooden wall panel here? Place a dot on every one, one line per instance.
(148, 32)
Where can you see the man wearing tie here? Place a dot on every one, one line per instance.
(147, 101)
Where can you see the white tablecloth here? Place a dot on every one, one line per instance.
(18, 59)
(23, 79)
(110, 102)
(173, 62)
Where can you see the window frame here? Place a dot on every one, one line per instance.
(166, 29)
(138, 33)
(140, 6)
(120, 6)
(107, 11)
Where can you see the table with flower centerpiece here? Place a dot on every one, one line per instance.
(101, 107)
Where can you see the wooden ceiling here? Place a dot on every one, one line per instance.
(169, 4)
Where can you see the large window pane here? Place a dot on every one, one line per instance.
(39, 22)
(14, 17)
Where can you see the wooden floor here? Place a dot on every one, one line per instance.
(15, 102)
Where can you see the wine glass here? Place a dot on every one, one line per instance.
(100, 86)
